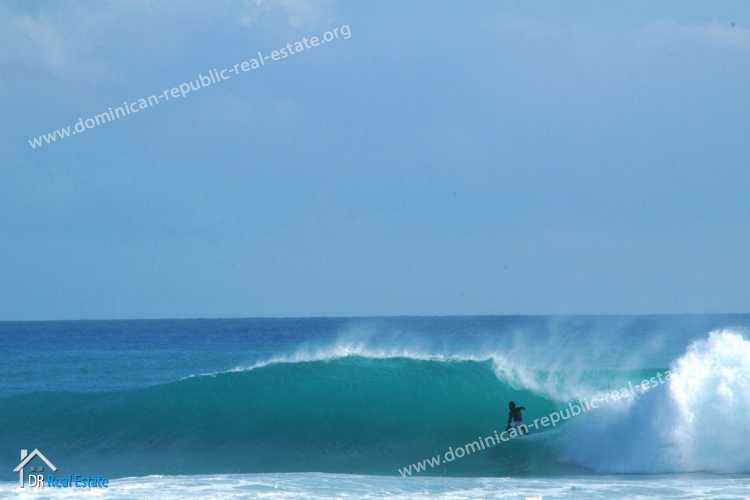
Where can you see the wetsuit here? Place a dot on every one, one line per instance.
(514, 416)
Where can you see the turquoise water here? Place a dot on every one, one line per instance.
(333, 403)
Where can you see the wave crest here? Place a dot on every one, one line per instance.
(697, 422)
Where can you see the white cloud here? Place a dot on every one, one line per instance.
(722, 34)
(77, 38)
(24, 39)
(299, 13)
(61, 38)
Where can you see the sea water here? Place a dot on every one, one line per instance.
(348, 407)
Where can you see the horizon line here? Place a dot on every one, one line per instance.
(378, 316)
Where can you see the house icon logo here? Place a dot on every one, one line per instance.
(36, 473)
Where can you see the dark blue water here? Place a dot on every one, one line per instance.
(105, 355)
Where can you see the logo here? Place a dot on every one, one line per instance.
(31, 473)
(36, 475)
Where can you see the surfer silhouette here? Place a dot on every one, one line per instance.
(515, 418)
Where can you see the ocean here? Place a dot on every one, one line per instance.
(374, 407)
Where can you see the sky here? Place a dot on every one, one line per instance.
(498, 157)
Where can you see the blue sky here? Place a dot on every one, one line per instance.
(449, 158)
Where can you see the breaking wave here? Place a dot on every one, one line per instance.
(353, 409)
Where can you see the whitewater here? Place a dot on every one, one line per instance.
(337, 407)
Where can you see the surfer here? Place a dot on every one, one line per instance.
(515, 419)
